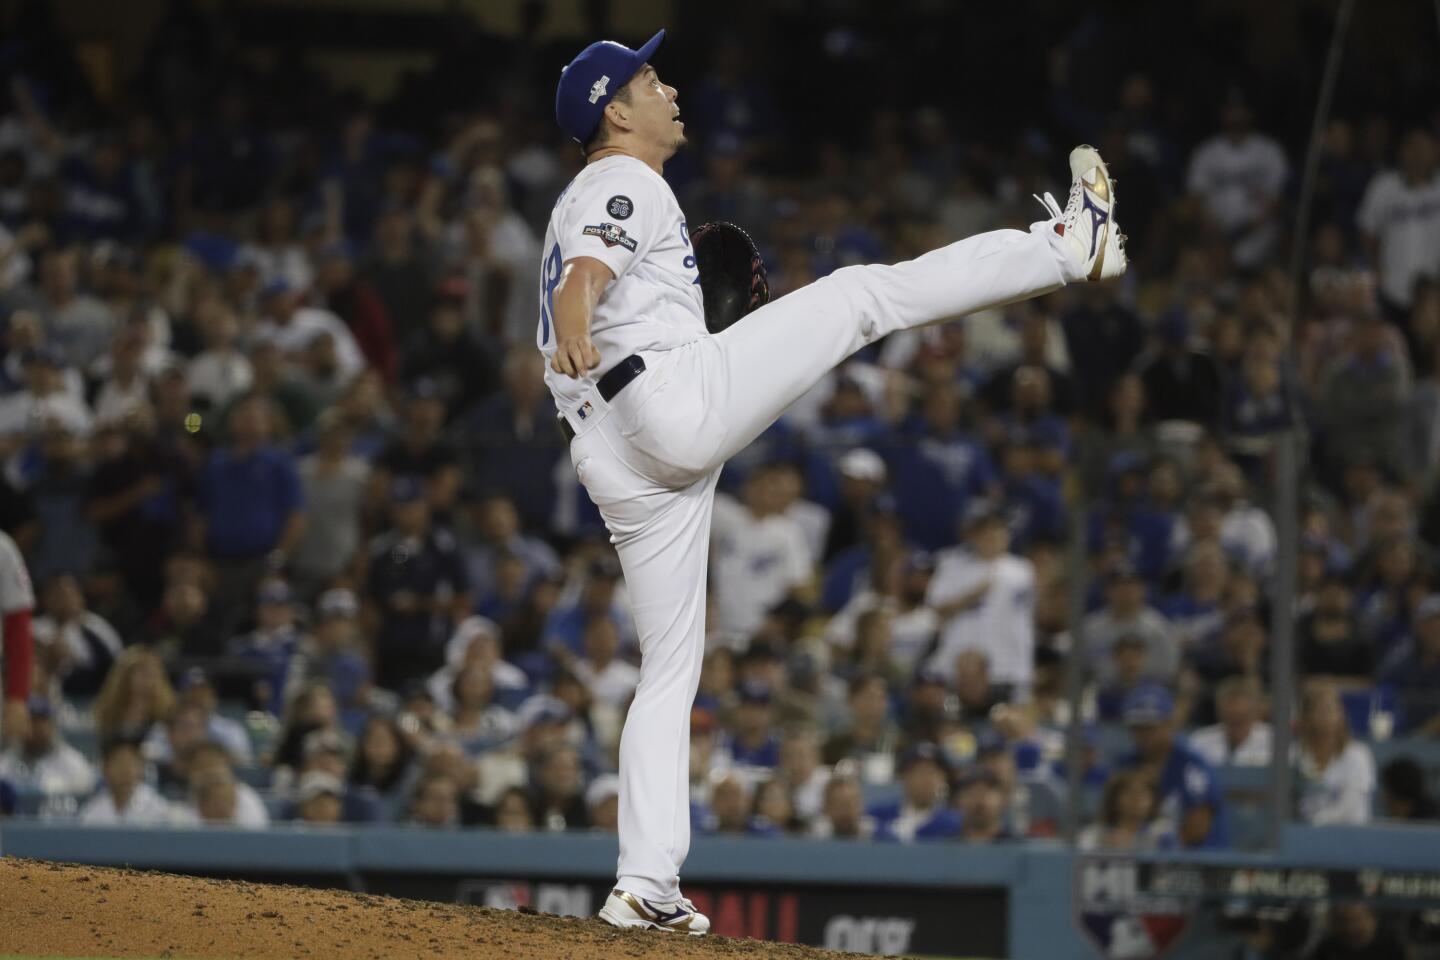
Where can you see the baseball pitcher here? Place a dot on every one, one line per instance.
(654, 400)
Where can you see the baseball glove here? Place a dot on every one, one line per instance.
(732, 273)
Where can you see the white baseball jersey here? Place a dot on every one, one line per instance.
(16, 593)
(757, 562)
(1002, 626)
(651, 462)
(625, 215)
(1406, 221)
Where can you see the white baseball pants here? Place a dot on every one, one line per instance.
(651, 457)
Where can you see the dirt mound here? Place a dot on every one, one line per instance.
(51, 909)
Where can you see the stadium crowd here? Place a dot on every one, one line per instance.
(307, 545)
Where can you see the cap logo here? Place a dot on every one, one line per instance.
(597, 89)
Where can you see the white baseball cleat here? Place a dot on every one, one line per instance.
(1088, 220)
(627, 910)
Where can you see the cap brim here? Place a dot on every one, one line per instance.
(642, 56)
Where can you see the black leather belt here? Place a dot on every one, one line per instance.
(617, 378)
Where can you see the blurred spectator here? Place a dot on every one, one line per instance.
(610, 680)
(980, 801)
(184, 624)
(730, 803)
(1238, 651)
(513, 813)
(251, 501)
(267, 651)
(76, 324)
(1181, 383)
(215, 800)
(1413, 671)
(417, 583)
(985, 598)
(872, 738)
(295, 329)
(843, 815)
(1189, 803)
(221, 372)
(1399, 220)
(600, 587)
(976, 694)
(1404, 794)
(1123, 432)
(862, 475)
(312, 708)
(1328, 639)
(44, 403)
(512, 441)
(124, 797)
(76, 646)
(1127, 817)
(1355, 934)
(382, 758)
(462, 368)
(197, 692)
(136, 695)
(940, 470)
(558, 791)
(602, 801)
(319, 799)
(921, 813)
(760, 555)
(752, 740)
(477, 640)
(277, 254)
(138, 488)
(1195, 613)
(498, 537)
(335, 481)
(1362, 397)
(420, 452)
(43, 761)
(901, 593)
(333, 653)
(351, 297)
(215, 795)
(1237, 177)
(801, 772)
(435, 803)
(1126, 613)
(772, 811)
(1240, 738)
(479, 723)
(1336, 772)
(1126, 670)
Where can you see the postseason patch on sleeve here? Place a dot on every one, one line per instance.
(611, 236)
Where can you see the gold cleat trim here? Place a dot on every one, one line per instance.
(1100, 187)
(648, 914)
(1097, 271)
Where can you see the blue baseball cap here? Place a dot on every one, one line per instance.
(589, 81)
(407, 488)
(1148, 705)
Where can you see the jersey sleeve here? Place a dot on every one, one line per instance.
(614, 218)
(1371, 215)
(16, 593)
(1198, 787)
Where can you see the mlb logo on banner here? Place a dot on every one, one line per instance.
(1117, 918)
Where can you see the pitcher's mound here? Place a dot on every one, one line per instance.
(63, 910)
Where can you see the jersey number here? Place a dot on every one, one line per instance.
(689, 260)
(549, 280)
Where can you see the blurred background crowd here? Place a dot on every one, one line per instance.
(307, 545)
